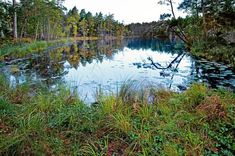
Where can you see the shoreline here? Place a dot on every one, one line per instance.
(20, 50)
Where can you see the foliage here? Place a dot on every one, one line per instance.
(47, 20)
(5, 19)
(35, 121)
(165, 16)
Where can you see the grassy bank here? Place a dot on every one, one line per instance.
(22, 48)
(214, 52)
(35, 121)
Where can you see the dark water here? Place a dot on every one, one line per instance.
(91, 65)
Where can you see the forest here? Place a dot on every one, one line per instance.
(48, 20)
(77, 83)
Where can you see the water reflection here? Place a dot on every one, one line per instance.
(106, 64)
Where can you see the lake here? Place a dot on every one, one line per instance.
(90, 66)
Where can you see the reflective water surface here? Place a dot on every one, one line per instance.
(91, 65)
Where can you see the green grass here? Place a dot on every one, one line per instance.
(25, 47)
(36, 121)
(20, 50)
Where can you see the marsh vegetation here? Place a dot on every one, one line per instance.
(35, 121)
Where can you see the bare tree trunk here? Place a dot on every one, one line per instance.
(49, 29)
(22, 29)
(36, 32)
(15, 20)
(172, 8)
(197, 9)
(53, 31)
(181, 34)
(204, 20)
(42, 34)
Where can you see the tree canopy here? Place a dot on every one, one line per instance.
(49, 19)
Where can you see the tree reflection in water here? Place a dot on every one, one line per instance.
(49, 66)
(175, 68)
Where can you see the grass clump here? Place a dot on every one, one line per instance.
(26, 46)
(22, 49)
(199, 121)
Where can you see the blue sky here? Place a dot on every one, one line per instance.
(127, 11)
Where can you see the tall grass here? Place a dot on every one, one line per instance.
(36, 121)
(25, 47)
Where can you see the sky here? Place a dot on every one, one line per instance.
(126, 11)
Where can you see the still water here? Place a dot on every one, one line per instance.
(88, 66)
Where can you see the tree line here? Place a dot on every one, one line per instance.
(208, 30)
(50, 19)
(205, 20)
